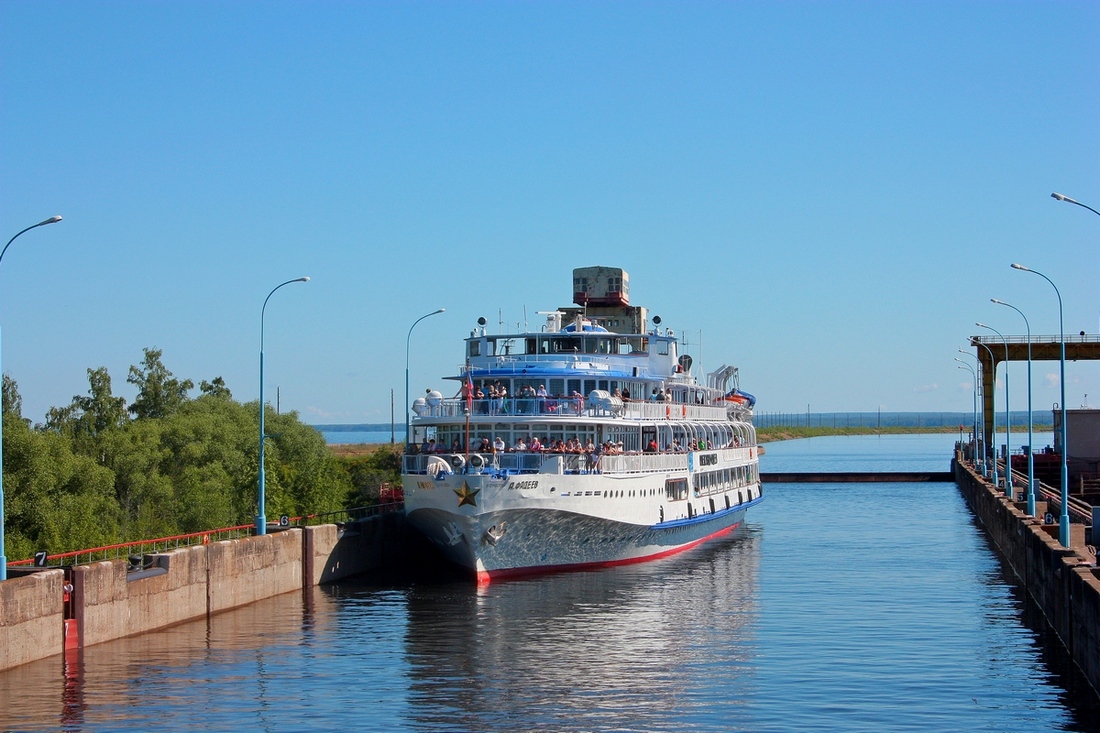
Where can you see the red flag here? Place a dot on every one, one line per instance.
(469, 391)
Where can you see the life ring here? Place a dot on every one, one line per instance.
(476, 461)
(458, 461)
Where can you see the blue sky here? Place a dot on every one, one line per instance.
(824, 194)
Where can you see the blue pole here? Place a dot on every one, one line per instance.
(408, 339)
(978, 455)
(993, 399)
(1063, 520)
(1008, 419)
(261, 512)
(964, 365)
(1030, 444)
(3, 556)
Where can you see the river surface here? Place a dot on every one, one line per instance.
(840, 607)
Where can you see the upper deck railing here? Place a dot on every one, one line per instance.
(550, 407)
(556, 463)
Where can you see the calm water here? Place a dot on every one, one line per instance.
(858, 607)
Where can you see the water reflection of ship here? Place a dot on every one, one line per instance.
(621, 647)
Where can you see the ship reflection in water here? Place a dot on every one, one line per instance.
(622, 648)
(646, 647)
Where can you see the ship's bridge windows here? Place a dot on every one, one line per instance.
(662, 347)
(565, 345)
(473, 348)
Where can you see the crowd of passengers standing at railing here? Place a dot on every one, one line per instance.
(496, 401)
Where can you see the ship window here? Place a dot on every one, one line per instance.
(662, 347)
(676, 489)
(589, 386)
(590, 345)
(475, 348)
(556, 386)
(565, 345)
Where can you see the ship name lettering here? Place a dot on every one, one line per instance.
(523, 485)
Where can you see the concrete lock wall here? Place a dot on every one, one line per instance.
(331, 552)
(1063, 582)
(110, 601)
(246, 570)
(31, 613)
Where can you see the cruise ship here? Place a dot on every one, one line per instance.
(586, 443)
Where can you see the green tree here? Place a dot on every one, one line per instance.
(55, 500)
(368, 473)
(159, 393)
(216, 388)
(88, 416)
(302, 474)
(12, 401)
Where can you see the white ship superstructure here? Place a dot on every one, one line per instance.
(586, 443)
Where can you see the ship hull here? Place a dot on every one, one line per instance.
(517, 540)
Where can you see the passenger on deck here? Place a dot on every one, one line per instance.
(498, 445)
(535, 446)
(520, 446)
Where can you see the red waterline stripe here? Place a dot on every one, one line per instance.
(484, 577)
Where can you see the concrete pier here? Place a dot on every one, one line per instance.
(1063, 582)
(111, 600)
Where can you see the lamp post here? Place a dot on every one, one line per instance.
(261, 514)
(1063, 520)
(1008, 416)
(964, 365)
(3, 557)
(408, 339)
(1030, 444)
(1068, 200)
(993, 399)
(979, 428)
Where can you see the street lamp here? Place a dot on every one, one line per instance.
(3, 557)
(1030, 444)
(1008, 416)
(407, 340)
(964, 365)
(993, 399)
(979, 428)
(1063, 520)
(261, 514)
(1068, 200)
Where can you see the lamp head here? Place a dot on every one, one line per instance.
(1016, 266)
(52, 220)
(1058, 196)
(998, 302)
(981, 325)
(302, 280)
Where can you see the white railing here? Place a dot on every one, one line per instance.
(643, 462)
(455, 407)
